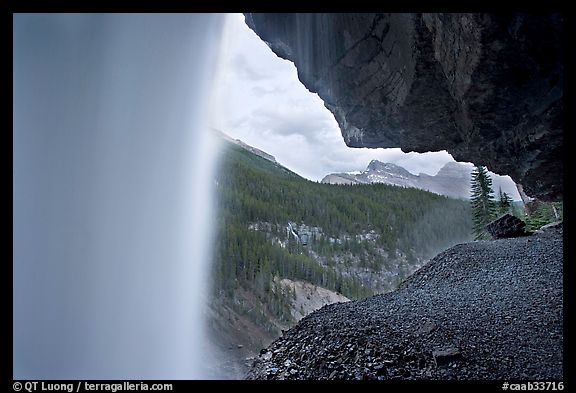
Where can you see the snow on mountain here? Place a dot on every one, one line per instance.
(452, 180)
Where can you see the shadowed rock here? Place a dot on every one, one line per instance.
(486, 87)
(446, 356)
(507, 226)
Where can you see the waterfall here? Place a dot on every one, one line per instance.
(112, 193)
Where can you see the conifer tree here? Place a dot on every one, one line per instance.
(482, 201)
(504, 202)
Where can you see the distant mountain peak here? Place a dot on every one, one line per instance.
(388, 167)
(456, 169)
(452, 180)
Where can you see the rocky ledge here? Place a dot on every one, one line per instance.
(490, 310)
(486, 87)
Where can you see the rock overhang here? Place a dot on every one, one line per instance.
(488, 88)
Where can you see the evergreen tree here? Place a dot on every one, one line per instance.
(482, 201)
(257, 199)
(504, 202)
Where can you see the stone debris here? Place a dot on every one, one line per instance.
(489, 310)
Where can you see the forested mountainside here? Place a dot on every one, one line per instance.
(353, 240)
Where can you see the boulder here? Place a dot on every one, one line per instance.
(446, 356)
(557, 225)
(507, 226)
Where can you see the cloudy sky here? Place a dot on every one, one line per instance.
(260, 100)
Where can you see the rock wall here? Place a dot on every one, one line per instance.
(488, 88)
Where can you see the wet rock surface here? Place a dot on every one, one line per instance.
(488, 88)
(507, 226)
(483, 310)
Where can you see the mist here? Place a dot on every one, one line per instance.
(112, 190)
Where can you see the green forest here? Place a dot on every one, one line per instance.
(408, 222)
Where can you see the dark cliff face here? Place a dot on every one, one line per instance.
(485, 87)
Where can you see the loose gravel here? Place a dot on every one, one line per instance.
(489, 310)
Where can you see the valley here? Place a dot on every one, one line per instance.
(286, 246)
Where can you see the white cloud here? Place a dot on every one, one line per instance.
(262, 91)
(245, 71)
